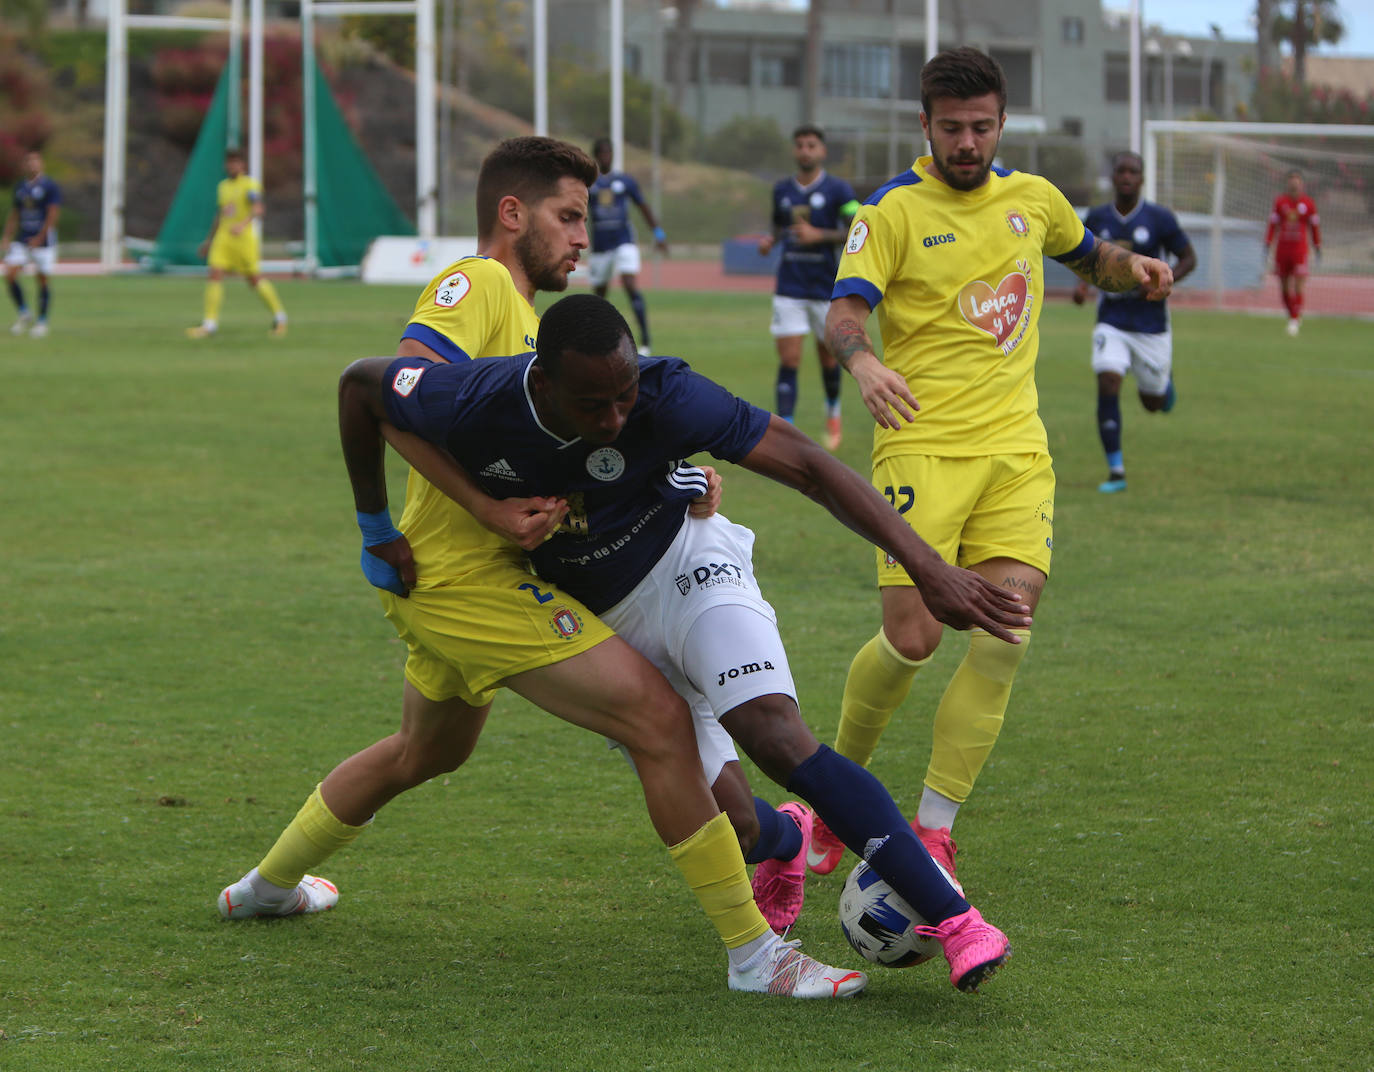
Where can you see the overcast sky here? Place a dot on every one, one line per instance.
(1233, 16)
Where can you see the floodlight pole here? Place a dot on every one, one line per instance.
(540, 63)
(233, 117)
(618, 82)
(1135, 78)
(116, 105)
(256, 24)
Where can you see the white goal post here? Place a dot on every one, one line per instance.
(1221, 179)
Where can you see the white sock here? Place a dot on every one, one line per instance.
(746, 957)
(265, 892)
(936, 810)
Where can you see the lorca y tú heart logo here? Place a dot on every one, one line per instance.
(995, 311)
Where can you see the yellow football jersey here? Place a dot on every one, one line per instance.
(470, 310)
(957, 279)
(236, 198)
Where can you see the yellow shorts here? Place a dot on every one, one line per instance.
(466, 638)
(971, 509)
(234, 254)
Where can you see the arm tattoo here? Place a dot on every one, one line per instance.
(847, 339)
(1107, 266)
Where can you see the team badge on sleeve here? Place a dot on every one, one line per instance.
(406, 380)
(452, 290)
(858, 235)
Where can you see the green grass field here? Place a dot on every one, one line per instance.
(1175, 829)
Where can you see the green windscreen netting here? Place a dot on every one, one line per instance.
(193, 208)
(354, 206)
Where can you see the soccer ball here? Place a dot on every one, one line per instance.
(878, 923)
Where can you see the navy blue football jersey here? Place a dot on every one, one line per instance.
(31, 201)
(1150, 230)
(608, 203)
(627, 499)
(809, 271)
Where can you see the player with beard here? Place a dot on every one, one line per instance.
(475, 619)
(952, 250)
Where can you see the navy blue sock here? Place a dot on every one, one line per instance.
(17, 295)
(830, 377)
(642, 315)
(779, 835)
(1109, 424)
(861, 813)
(786, 391)
(43, 302)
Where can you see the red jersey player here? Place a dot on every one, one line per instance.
(1293, 213)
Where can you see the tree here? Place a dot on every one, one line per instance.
(1264, 37)
(1307, 22)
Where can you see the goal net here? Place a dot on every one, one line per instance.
(1221, 180)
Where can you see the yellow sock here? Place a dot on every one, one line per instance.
(970, 714)
(268, 293)
(879, 679)
(214, 297)
(711, 863)
(312, 837)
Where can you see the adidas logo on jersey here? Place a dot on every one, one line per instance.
(501, 469)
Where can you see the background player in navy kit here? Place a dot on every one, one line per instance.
(37, 201)
(586, 420)
(613, 237)
(811, 214)
(1132, 333)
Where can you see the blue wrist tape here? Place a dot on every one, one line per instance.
(659, 235)
(377, 528)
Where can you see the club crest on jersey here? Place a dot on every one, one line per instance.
(452, 290)
(1018, 224)
(406, 380)
(606, 463)
(1004, 311)
(566, 622)
(858, 235)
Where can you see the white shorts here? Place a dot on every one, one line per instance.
(700, 618)
(798, 316)
(623, 260)
(1149, 357)
(44, 258)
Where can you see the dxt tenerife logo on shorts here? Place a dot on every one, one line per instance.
(566, 623)
(606, 463)
(722, 676)
(715, 574)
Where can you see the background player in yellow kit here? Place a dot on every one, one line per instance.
(950, 254)
(233, 246)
